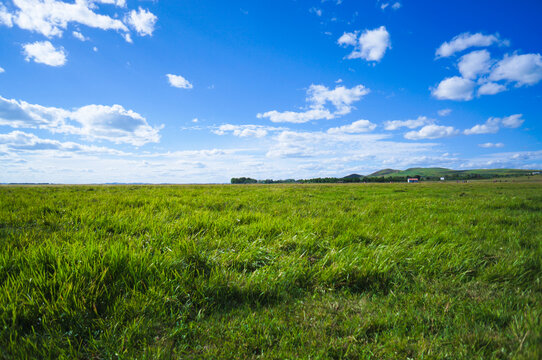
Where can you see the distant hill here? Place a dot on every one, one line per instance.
(353, 176)
(385, 172)
(443, 172)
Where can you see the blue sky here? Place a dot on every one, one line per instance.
(202, 91)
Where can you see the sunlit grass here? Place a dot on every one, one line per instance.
(272, 271)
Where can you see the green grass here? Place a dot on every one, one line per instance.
(380, 271)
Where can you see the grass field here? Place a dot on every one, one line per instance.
(379, 271)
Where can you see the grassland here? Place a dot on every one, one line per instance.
(358, 271)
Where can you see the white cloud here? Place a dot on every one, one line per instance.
(333, 149)
(491, 88)
(316, 11)
(341, 97)
(444, 112)
(113, 123)
(195, 120)
(79, 36)
(359, 126)
(20, 141)
(51, 17)
(371, 44)
(493, 124)
(297, 117)
(94, 122)
(178, 81)
(5, 16)
(467, 40)
(2, 70)
(142, 21)
(474, 64)
(348, 39)
(411, 124)
(522, 159)
(119, 3)
(245, 130)
(522, 69)
(491, 145)
(432, 132)
(454, 88)
(318, 96)
(395, 6)
(45, 53)
(512, 121)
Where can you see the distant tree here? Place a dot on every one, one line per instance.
(243, 180)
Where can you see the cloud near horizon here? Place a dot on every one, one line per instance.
(93, 122)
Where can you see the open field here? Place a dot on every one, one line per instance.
(368, 271)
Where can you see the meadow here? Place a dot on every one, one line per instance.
(312, 271)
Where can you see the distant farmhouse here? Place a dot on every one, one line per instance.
(412, 180)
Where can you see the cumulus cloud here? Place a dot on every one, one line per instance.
(79, 36)
(490, 88)
(5, 17)
(411, 124)
(432, 132)
(371, 44)
(21, 141)
(142, 21)
(474, 64)
(359, 126)
(477, 68)
(522, 69)
(444, 112)
(454, 88)
(318, 96)
(491, 145)
(44, 52)
(119, 3)
(348, 39)
(51, 17)
(493, 124)
(2, 70)
(178, 81)
(512, 121)
(297, 117)
(112, 123)
(94, 122)
(467, 40)
(245, 130)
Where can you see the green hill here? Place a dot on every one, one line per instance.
(353, 176)
(444, 172)
(385, 172)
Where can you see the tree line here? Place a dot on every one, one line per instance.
(367, 179)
